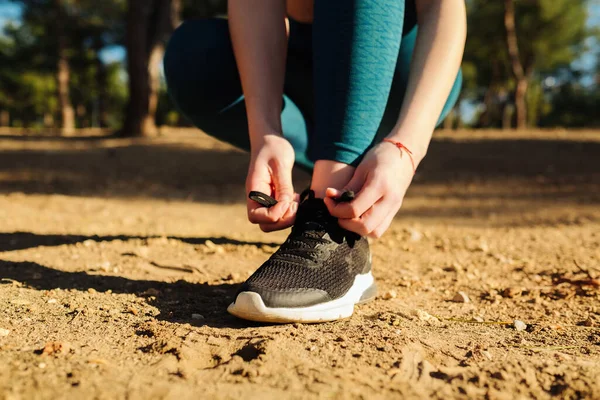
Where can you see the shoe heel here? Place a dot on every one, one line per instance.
(369, 294)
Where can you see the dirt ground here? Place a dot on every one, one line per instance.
(119, 257)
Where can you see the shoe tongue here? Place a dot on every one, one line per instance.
(313, 214)
(313, 219)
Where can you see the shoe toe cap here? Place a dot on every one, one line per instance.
(288, 298)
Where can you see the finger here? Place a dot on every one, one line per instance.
(258, 183)
(284, 189)
(257, 213)
(368, 195)
(370, 220)
(291, 211)
(263, 215)
(356, 183)
(284, 222)
(333, 193)
(277, 226)
(380, 230)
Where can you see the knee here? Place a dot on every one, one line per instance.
(174, 53)
(176, 61)
(191, 58)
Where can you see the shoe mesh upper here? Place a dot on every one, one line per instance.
(318, 254)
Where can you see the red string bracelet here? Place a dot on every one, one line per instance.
(402, 149)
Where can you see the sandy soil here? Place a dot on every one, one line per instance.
(119, 257)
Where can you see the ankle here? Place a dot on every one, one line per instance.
(330, 174)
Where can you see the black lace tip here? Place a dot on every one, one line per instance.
(263, 199)
(346, 196)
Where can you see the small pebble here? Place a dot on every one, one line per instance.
(4, 332)
(197, 316)
(104, 266)
(477, 319)
(511, 292)
(499, 375)
(55, 348)
(588, 322)
(519, 325)
(42, 365)
(415, 235)
(454, 267)
(390, 294)
(483, 247)
(51, 301)
(461, 297)
(425, 316)
(233, 277)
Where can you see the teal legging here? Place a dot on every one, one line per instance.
(346, 76)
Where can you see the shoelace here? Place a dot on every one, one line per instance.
(267, 201)
(312, 222)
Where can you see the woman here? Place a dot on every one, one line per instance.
(350, 89)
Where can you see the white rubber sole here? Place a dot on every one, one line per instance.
(250, 306)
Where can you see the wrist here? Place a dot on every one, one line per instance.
(262, 124)
(417, 143)
(262, 139)
(403, 151)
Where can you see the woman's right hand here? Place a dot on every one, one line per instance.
(270, 172)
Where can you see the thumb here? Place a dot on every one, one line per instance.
(356, 183)
(284, 189)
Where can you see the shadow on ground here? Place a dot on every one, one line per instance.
(121, 168)
(176, 301)
(25, 240)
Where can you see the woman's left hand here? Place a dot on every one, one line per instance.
(380, 182)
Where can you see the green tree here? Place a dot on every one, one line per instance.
(64, 39)
(511, 42)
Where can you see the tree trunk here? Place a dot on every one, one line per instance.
(138, 18)
(521, 102)
(515, 60)
(148, 24)
(449, 120)
(101, 82)
(63, 75)
(4, 118)
(507, 115)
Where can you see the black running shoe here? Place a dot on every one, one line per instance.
(318, 274)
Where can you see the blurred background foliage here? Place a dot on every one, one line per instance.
(66, 64)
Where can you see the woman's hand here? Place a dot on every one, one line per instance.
(380, 182)
(270, 172)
